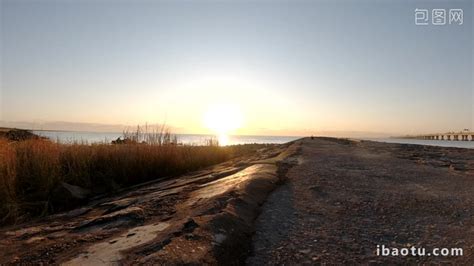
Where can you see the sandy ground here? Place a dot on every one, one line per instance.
(345, 198)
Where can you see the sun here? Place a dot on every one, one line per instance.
(223, 119)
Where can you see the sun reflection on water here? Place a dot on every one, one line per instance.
(223, 139)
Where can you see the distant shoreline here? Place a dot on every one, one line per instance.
(185, 134)
(120, 132)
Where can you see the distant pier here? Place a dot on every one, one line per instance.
(451, 136)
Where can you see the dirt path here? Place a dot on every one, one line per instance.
(345, 198)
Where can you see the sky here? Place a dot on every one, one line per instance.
(288, 67)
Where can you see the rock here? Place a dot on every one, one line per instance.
(68, 195)
(125, 141)
(219, 238)
(305, 251)
(77, 212)
(18, 135)
(76, 191)
(189, 226)
(123, 218)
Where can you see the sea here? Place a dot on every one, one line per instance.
(441, 143)
(68, 137)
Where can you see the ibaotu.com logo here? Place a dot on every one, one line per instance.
(382, 250)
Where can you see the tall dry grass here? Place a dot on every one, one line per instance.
(152, 135)
(8, 198)
(32, 170)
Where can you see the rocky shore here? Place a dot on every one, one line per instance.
(204, 217)
(320, 200)
(14, 134)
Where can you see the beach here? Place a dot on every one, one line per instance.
(321, 200)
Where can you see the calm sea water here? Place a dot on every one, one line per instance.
(442, 143)
(101, 137)
(97, 137)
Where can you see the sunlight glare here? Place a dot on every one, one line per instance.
(223, 140)
(223, 118)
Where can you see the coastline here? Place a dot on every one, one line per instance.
(210, 212)
(436, 143)
(210, 216)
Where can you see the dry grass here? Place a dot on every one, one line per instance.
(31, 170)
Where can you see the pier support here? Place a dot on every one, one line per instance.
(464, 135)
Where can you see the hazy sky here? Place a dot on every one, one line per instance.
(291, 67)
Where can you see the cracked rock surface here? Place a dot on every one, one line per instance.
(203, 217)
